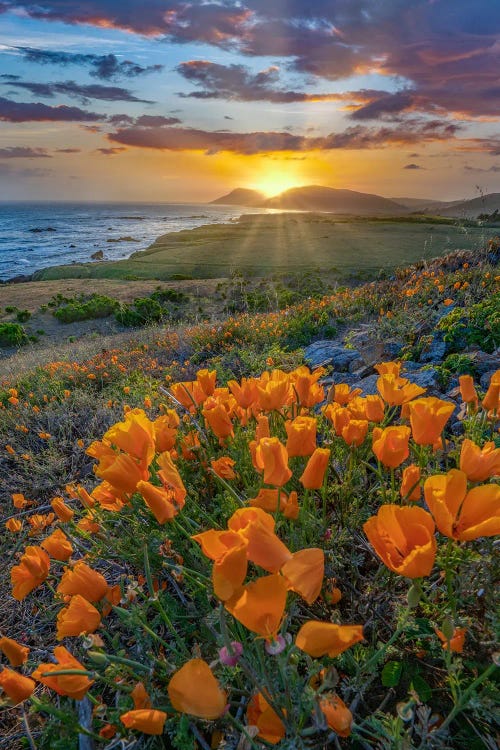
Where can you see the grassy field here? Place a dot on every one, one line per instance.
(259, 245)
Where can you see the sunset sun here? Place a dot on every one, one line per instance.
(275, 183)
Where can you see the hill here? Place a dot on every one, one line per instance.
(471, 209)
(240, 197)
(333, 200)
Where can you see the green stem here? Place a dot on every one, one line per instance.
(465, 696)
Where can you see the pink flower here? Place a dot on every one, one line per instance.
(230, 657)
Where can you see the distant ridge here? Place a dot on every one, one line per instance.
(319, 198)
(240, 197)
(471, 209)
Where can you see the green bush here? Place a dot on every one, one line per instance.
(12, 334)
(479, 324)
(97, 306)
(22, 316)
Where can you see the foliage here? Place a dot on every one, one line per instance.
(91, 308)
(12, 334)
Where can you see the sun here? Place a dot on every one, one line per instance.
(275, 183)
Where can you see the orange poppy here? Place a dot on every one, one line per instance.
(478, 463)
(261, 715)
(391, 445)
(491, 400)
(16, 686)
(403, 538)
(14, 525)
(460, 514)
(121, 471)
(306, 386)
(83, 580)
(411, 483)
(374, 408)
(388, 368)
(260, 605)
(30, 573)
(165, 431)
(62, 511)
(341, 393)
(73, 685)
(271, 457)
(217, 416)
(338, 717)
(428, 417)
(397, 391)
(15, 652)
(58, 545)
(263, 546)
(206, 379)
(134, 436)
(161, 502)
(318, 638)
(145, 720)
(140, 696)
(78, 617)
(244, 392)
(468, 390)
(262, 429)
(355, 432)
(206, 701)
(230, 569)
(301, 433)
(223, 467)
(170, 477)
(304, 573)
(455, 643)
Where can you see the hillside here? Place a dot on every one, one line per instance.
(471, 209)
(319, 198)
(240, 197)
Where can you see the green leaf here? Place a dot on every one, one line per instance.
(422, 688)
(391, 673)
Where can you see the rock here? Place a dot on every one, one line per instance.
(368, 385)
(392, 349)
(361, 372)
(37, 230)
(426, 378)
(436, 350)
(71, 245)
(484, 362)
(329, 353)
(356, 364)
(457, 427)
(99, 255)
(485, 379)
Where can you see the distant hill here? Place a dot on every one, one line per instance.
(240, 197)
(471, 209)
(417, 203)
(319, 198)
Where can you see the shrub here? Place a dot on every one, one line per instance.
(97, 306)
(12, 334)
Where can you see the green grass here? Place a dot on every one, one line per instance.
(263, 244)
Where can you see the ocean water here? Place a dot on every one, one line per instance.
(38, 235)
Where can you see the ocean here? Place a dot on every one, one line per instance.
(38, 235)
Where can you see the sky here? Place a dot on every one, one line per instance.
(180, 101)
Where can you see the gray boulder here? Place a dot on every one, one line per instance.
(330, 353)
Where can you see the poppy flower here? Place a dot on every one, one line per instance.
(161, 502)
(467, 390)
(478, 463)
(491, 400)
(165, 431)
(73, 685)
(261, 715)
(391, 445)
(15, 652)
(30, 573)
(374, 408)
(260, 605)
(341, 393)
(264, 548)
(83, 580)
(58, 545)
(140, 696)
(62, 511)
(194, 690)
(14, 525)
(78, 617)
(403, 538)
(355, 432)
(121, 471)
(134, 436)
(206, 379)
(388, 368)
(455, 643)
(170, 477)
(301, 436)
(230, 569)
(223, 467)
(271, 457)
(306, 386)
(304, 573)
(16, 686)
(397, 391)
(428, 417)
(318, 638)
(145, 720)
(337, 715)
(262, 429)
(244, 392)
(108, 497)
(217, 416)
(411, 483)
(460, 514)
(339, 416)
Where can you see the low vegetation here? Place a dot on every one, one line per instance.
(212, 546)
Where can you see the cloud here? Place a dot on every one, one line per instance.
(105, 67)
(23, 152)
(211, 142)
(412, 166)
(238, 83)
(83, 92)
(7, 170)
(469, 168)
(111, 151)
(11, 111)
(68, 150)
(444, 55)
